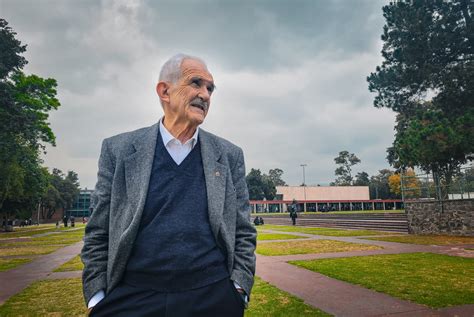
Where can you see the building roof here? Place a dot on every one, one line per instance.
(324, 192)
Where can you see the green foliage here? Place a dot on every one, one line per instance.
(60, 194)
(25, 102)
(427, 77)
(345, 160)
(362, 179)
(262, 186)
(10, 50)
(275, 176)
(379, 186)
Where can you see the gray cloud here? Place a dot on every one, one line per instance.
(290, 75)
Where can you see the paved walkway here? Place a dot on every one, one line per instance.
(344, 299)
(15, 280)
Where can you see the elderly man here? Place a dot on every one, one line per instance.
(170, 234)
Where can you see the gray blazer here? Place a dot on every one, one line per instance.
(125, 165)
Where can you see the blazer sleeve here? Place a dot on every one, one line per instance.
(94, 253)
(245, 234)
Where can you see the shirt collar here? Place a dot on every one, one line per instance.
(167, 137)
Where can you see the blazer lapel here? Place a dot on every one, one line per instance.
(138, 167)
(215, 174)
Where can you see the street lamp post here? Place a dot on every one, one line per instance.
(304, 186)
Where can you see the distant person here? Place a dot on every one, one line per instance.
(293, 213)
(170, 234)
(256, 221)
(65, 221)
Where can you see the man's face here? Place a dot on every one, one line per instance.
(190, 97)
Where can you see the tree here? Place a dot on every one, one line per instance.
(11, 50)
(275, 176)
(260, 185)
(24, 105)
(345, 160)
(379, 186)
(411, 184)
(427, 78)
(362, 179)
(61, 192)
(255, 184)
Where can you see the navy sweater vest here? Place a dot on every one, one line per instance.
(175, 249)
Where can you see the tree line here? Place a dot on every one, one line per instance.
(25, 103)
(427, 79)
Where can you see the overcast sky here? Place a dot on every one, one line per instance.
(291, 76)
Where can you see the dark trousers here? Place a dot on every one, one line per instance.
(218, 299)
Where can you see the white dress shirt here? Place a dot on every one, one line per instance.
(177, 150)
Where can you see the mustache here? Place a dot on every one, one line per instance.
(200, 103)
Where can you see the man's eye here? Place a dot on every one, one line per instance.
(210, 89)
(196, 82)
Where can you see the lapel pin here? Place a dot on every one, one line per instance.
(218, 174)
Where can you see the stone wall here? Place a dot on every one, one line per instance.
(451, 217)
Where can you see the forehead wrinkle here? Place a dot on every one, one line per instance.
(190, 67)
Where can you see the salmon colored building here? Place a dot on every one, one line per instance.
(324, 198)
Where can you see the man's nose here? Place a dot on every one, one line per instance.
(204, 94)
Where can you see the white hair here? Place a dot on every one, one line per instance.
(171, 69)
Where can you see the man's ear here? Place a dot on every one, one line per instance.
(162, 89)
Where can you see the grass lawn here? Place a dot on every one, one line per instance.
(431, 279)
(262, 236)
(24, 233)
(267, 300)
(8, 264)
(39, 245)
(28, 250)
(422, 239)
(75, 264)
(47, 298)
(324, 231)
(311, 246)
(34, 230)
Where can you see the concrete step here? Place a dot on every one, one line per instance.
(344, 216)
(395, 224)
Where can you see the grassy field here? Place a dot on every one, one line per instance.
(324, 231)
(8, 264)
(425, 278)
(268, 300)
(262, 236)
(75, 264)
(428, 240)
(34, 230)
(29, 247)
(310, 246)
(64, 298)
(47, 298)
